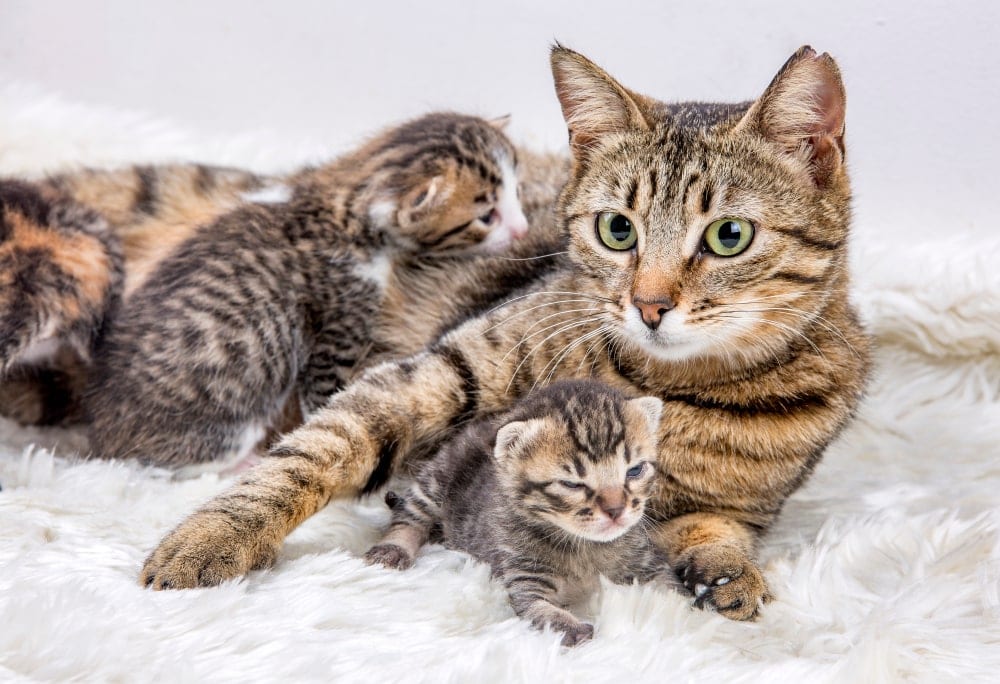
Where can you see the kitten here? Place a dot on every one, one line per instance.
(276, 301)
(551, 494)
(707, 267)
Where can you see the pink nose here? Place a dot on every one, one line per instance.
(519, 227)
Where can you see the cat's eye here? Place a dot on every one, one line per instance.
(571, 485)
(487, 218)
(729, 236)
(635, 471)
(616, 231)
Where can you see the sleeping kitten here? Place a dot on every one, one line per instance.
(274, 302)
(551, 494)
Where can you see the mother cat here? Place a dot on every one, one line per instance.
(707, 265)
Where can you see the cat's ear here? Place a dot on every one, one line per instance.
(428, 194)
(650, 408)
(500, 123)
(514, 435)
(593, 103)
(803, 111)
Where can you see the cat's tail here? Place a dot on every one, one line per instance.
(60, 272)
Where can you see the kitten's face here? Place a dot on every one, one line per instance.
(715, 231)
(460, 187)
(593, 486)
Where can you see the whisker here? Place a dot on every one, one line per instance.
(526, 337)
(531, 258)
(569, 326)
(537, 306)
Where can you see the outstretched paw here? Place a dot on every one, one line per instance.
(204, 550)
(389, 555)
(575, 634)
(723, 578)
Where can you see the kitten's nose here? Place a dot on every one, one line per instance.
(652, 310)
(612, 504)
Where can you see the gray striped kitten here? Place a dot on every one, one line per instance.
(276, 302)
(551, 494)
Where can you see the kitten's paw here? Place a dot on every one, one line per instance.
(204, 550)
(389, 555)
(575, 633)
(724, 578)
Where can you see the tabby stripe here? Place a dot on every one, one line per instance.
(692, 179)
(440, 239)
(470, 384)
(778, 405)
(654, 184)
(146, 195)
(383, 468)
(530, 579)
(630, 197)
(793, 277)
(808, 240)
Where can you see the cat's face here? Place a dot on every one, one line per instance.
(714, 231)
(458, 186)
(592, 483)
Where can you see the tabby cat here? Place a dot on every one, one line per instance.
(550, 494)
(274, 301)
(707, 266)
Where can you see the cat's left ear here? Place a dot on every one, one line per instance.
(429, 194)
(803, 111)
(651, 408)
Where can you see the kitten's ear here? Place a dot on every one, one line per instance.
(593, 103)
(513, 435)
(429, 194)
(651, 409)
(500, 123)
(803, 111)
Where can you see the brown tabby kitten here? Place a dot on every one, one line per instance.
(707, 267)
(550, 494)
(278, 298)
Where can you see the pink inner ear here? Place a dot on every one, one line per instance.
(830, 104)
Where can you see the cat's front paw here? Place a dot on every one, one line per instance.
(389, 555)
(204, 550)
(575, 633)
(724, 578)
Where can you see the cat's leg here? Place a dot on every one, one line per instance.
(712, 555)
(201, 359)
(533, 595)
(60, 272)
(414, 516)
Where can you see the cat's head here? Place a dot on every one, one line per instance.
(580, 456)
(717, 231)
(451, 185)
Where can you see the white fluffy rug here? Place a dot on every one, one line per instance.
(885, 567)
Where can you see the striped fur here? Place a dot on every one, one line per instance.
(759, 358)
(550, 494)
(237, 302)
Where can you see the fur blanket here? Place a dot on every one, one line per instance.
(885, 566)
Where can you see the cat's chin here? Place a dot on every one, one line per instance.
(663, 344)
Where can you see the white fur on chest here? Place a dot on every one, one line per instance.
(377, 270)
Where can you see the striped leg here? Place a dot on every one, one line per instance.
(414, 516)
(533, 595)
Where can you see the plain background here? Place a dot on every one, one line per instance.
(923, 78)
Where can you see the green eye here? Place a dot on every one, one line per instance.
(616, 231)
(729, 236)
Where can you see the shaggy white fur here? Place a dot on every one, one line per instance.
(886, 566)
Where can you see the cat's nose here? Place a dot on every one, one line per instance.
(612, 505)
(652, 310)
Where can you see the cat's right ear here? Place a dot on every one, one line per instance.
(593, 103)
(512, 436)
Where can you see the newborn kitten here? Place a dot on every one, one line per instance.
(550, 494)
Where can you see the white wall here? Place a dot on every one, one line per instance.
(923, 78)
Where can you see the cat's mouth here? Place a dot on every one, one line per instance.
(671, 340)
